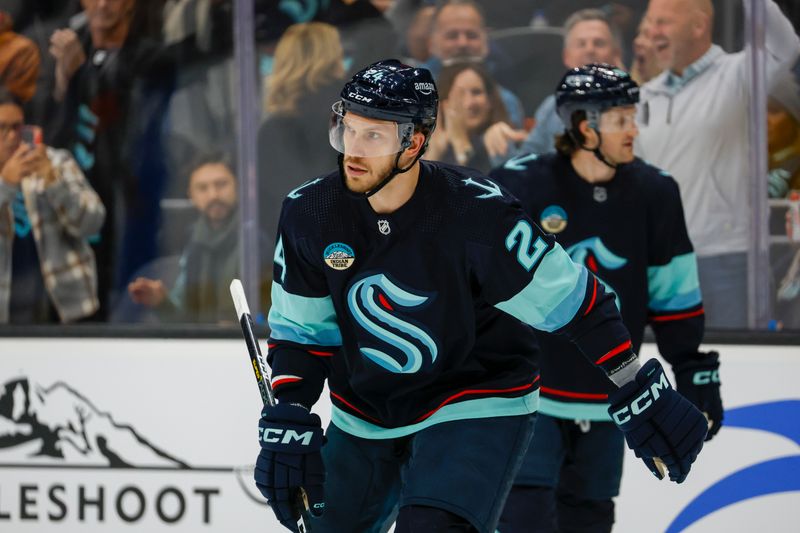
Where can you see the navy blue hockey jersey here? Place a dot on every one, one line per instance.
(630, 232)
(416, 317)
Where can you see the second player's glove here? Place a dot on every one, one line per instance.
(659, 424)
(698, 380)
(290, 459)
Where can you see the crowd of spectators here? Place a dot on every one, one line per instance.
(135, 105)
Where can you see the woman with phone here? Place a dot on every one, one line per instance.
(47, 213)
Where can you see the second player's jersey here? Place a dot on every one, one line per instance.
(416, 317)
(630, 232)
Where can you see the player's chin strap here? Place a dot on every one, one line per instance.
(389, 177)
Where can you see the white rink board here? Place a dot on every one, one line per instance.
(184, 412)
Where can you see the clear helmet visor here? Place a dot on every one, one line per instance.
(618, 119)
(359, 136)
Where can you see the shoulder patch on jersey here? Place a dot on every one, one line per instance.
(519, 162)
(339, 256)
(553, 219)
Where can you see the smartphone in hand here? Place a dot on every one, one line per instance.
(31, 135)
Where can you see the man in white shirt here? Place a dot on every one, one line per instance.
(693, 123)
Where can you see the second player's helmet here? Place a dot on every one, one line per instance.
(391, 91)
(594, 88)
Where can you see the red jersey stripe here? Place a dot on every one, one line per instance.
(321, 354)
(616, 351)
(594, 297)
(476, 391)
(679, 316)
(353, 407)
(569, 394)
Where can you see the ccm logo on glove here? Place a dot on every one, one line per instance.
(273, 436)
(705, 377)
(643, 401)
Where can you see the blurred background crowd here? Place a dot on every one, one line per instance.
(120, 129)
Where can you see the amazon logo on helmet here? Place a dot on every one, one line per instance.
(594, 88)
(391, 90)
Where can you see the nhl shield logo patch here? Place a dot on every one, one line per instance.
(600, 194)
(339, 256)
(553, 219)
(383, 227)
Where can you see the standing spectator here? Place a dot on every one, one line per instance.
(306, 76)
(47, 268)
(588, 38)
(645, 64)
(211, 258)
(19, 61)
(103, 72)
(693, 124)
(459, 34)
(470, 104)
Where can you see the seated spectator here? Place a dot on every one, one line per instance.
(19, 61)
(292, 142)
(417, 36)
(459, 34)
(367, 35)
(470, 103)
(210, 260)
(588, 38)
(47, 268)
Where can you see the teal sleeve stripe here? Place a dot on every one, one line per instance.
(302, 319)
(575, 410)
(554, 294)
(674, 286)
(466, 410)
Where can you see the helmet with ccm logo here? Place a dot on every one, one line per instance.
(390, 90)
(594, 88)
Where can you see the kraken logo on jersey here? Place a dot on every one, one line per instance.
(373, 302)
(591, 252)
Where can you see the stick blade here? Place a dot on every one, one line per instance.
(239, 299)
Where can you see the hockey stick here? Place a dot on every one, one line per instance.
(259, 366)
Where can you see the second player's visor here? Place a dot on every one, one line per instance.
(359, 136)
(618, 119)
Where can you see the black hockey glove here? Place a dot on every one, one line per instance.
(291, 439)
(698, 380)
(661, 426)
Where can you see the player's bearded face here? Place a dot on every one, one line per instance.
(362, 174)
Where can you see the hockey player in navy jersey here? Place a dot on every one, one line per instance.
(407, 286)
(623, 220)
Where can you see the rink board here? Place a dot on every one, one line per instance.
(159, 435)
